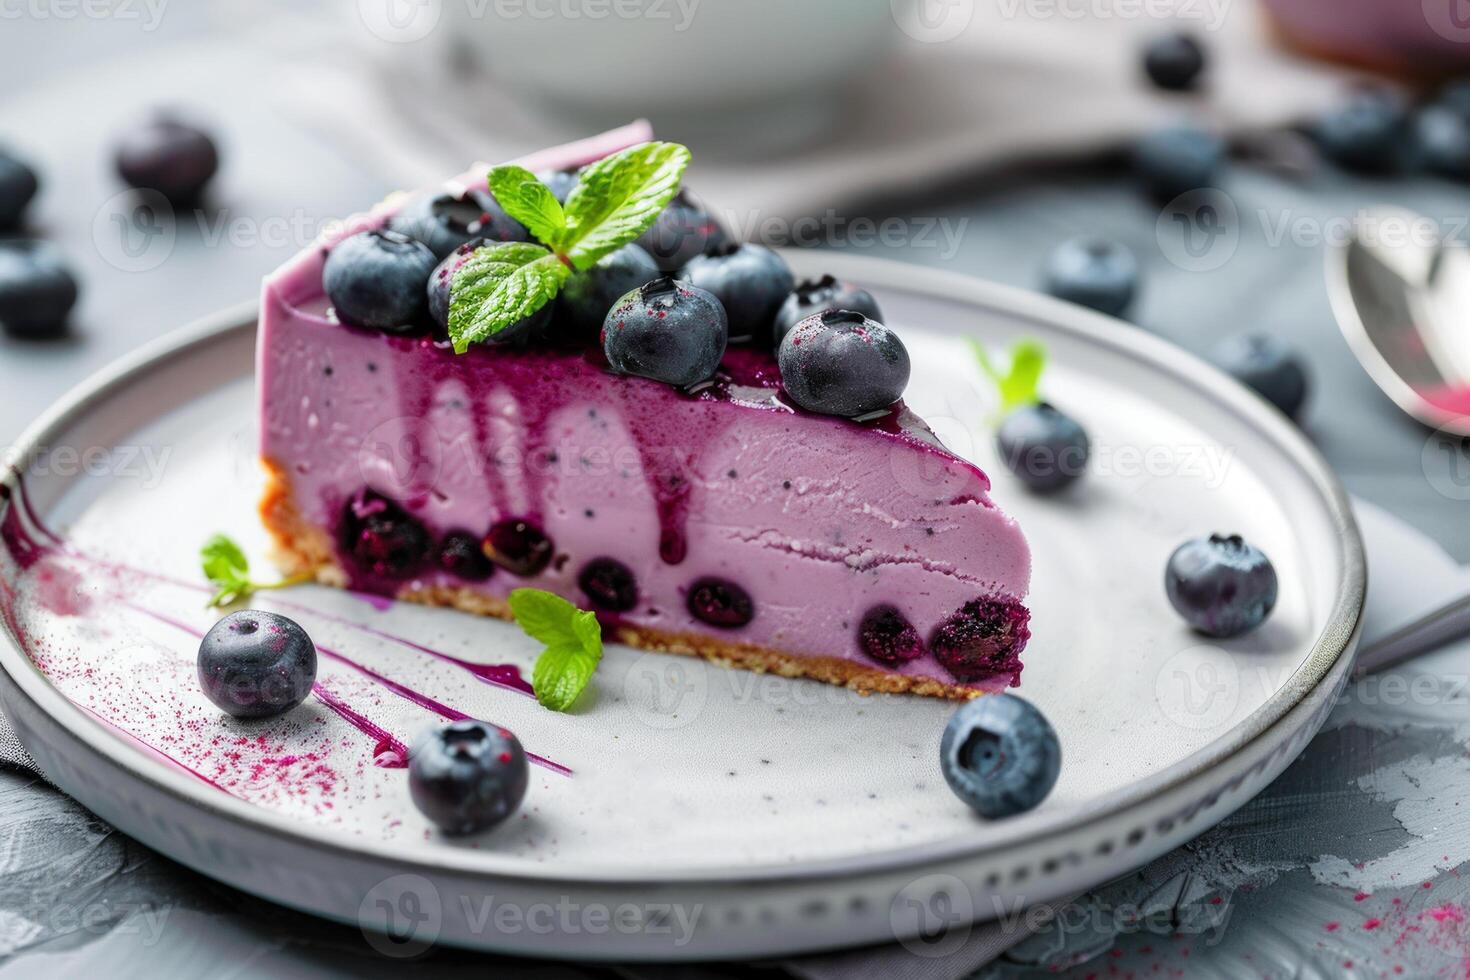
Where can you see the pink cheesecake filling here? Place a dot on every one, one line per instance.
(866, 542)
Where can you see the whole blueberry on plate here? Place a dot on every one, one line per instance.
(668, 331)
(819, 295)
(1046, 448)
(682, 230)
(444, 222)
(1442, 137)
(586, 296)
(560, 182)
(467, 776)
(379, 280)
(1093, 272)
(168, 155)
(1174, 61)
(442, 279)
(1177, 160)
(1271, 367)
(255, 664)
(1368, 133)
(750, 281)
(18, 185)
(842, 363)
(37, 289)
(1221, 585)
(1000, 755)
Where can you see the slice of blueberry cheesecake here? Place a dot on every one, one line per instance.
(473, 392)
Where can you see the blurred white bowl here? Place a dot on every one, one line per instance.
(771, 65)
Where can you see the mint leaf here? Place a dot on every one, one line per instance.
(617, 198)
(228, 570)
(1021, 382)
(544, 616)
(500, 285)
(528, 201)
(561, 674)
(573, 641)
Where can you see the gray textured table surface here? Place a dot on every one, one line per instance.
(76, 896)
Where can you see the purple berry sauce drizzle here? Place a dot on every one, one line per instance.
(27, 541)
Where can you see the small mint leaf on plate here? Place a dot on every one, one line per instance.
(500, 285)
(617, 198)
(573, 641)
(528, 201)
(561, 674)
(228, 570)
(1020, 384)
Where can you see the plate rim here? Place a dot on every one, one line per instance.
(1336, 637)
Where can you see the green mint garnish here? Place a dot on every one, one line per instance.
(1020, 384)
(616, 199)
(573, 641)
(228, 570)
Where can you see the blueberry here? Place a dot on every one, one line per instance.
(609, 584)
(585, 298)
(1222, 586)
(1177, 160)
(720, 602)
(750, 281)
(37, 290)
(467, 776)
(442, 278)
(1000, 755)
(1442, 136)
(461, 555)
(256, 664)
(1269, 366)
(561, 182)
(681, 231)
(1455, 96)
(1366, 134)
(379, 280)
(983, 639)
(842, 363)
(381, 537)
(444, 222)
(668, 331)
(1093, 272)
(18, 185)
(518, 546)
(1174, 61)
(886, 636)
(819, 295)
(169, 156)
(1046, 448)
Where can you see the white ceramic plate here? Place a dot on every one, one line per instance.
(709, 812)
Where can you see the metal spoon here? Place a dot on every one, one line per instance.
(1400, 293)
(1446, 624)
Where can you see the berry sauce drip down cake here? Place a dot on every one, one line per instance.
(503, 384)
